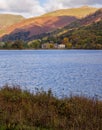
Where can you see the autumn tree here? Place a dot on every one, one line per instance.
(18, 44)
(67, 43)
(36, 44)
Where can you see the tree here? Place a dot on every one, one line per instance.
(67, 43)
(18, 44)
(65, 40)
(8, 44)
(36, 44)
(51, 46)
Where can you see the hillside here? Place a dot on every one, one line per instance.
(88, 20)
(35, 26)
(7, 20)
(81, 34)
(76, 12)
(95, 17)
(86, 37)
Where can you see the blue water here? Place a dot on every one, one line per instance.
(64, 71)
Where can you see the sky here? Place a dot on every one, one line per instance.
(30, 8)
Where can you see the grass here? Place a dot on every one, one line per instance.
(22, 110)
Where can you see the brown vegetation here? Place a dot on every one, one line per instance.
(22, 110)
(7, 20)
(35, 28)
(39, 25)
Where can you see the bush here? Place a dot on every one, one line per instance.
(22, 110)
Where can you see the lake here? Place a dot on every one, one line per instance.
(65, 72)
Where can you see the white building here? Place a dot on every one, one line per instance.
(61, 46)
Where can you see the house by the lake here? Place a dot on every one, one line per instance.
(53, 46)
(61, 46)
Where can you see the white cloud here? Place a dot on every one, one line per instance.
(30, 8)
(26, 7)
(83, 2)
(3, 6)
(56, 4)
(59, 4)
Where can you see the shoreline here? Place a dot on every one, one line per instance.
(46, 49)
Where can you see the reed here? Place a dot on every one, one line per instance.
(22, 110)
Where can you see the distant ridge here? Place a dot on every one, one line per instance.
(37, 26)
(86, 21)
(9, 19)
(77, 12)
(32, 28)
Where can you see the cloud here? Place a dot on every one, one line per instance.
(30, 8)
(82, 2)
(56, 4)
(25, 7)
(60, 4)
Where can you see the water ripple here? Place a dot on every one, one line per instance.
(65, 72)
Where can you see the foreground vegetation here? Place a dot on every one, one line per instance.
(22, 110)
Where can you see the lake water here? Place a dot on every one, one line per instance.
(64, 71)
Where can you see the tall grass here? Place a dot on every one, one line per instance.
(22, 110)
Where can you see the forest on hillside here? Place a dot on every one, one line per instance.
(84, 37)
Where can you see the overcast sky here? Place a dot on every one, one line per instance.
(30, 8)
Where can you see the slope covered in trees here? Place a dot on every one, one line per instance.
(34, 27)
(86, 37)
(88, 20)
(85, 33)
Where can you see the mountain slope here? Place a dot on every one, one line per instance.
(88, 20)
(86, 37)
(76, 12)
(37, 26)
(9, 19)
(81, 34)
(32, 28)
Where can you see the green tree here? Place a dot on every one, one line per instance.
(36, 44)
(19, 44)
(8, 45)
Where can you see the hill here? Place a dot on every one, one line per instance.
(86, 37)
(28, 29)
(88, 20)
(7, 20)
(85, 33)
(76, 12)
(32, 28)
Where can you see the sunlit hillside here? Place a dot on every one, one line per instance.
(9, 19)
(77, 12)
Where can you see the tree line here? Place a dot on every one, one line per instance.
(85, 37)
